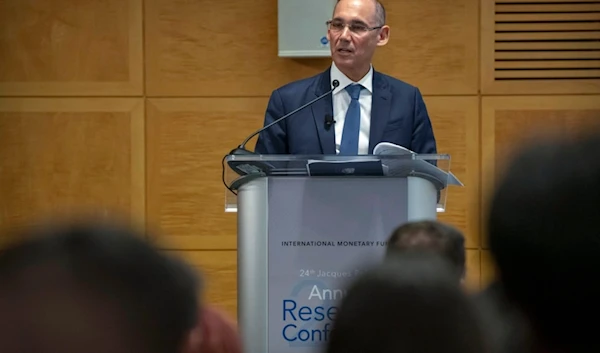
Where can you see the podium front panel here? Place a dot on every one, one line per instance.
(301, 240)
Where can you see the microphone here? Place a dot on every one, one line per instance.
(241, 149)
(328, 122)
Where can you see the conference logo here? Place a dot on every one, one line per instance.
(308, 313)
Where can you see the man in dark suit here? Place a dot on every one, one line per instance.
(366, 108)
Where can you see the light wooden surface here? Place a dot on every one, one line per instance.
(71, 155)
(67, 48)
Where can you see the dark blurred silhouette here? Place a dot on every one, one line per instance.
(433, 236)
(544, 234)
(219, 334)
(94, 288)
(505, 327)
(408, 304)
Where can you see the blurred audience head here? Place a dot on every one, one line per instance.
(544, 234)
(409, 304)
(432, 236)
(94, 288)
(219, 334)
(505, 328)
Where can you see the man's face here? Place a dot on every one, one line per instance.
(353, 41)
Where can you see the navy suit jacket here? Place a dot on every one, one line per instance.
(398, 115)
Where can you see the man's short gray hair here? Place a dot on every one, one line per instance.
(379, 12)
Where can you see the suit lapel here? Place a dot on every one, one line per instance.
(380, 109)
(320, 109)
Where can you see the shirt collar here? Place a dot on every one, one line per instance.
(366, 81)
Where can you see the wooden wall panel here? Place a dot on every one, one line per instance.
(539, 47)
(510, 122)
(62, 156)
(230, 50)
(219, 272)
(473, 277)
(456, 126)
(187, 140)
(488, 270)
(434, 45)
(64, 47)
(193, 52)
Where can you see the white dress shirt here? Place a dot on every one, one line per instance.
(341, 102)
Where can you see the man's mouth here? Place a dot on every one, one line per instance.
(344, 50)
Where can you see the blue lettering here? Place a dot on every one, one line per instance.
(331, 313)
(304, 313)
(285, 335)
(326, 330)
(291, 310)
(319, 316)
(314, 335)
(305, 335)
(305, 338)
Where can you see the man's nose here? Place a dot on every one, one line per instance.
(345, 35)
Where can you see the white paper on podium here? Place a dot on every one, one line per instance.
(404, 167)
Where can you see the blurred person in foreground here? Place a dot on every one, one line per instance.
(410, 303)
(505, 327)
(95, 288)
(431, 236)
(544, 235)
(219, 333)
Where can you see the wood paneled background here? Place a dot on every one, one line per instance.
(126, 107)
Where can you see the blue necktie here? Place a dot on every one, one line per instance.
(349, 145)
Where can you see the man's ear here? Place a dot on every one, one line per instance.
(384, 36)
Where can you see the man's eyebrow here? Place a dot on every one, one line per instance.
(358, 22)
(353, 22)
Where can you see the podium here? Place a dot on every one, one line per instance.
(307, 225)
